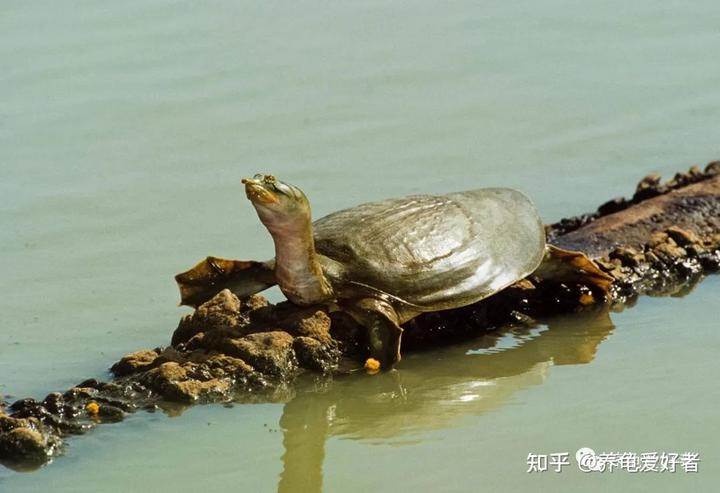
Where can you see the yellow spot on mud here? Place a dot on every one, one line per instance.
(586, 299)
(372, 365)
(93, 408)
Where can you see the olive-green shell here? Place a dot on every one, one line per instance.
(436, 251)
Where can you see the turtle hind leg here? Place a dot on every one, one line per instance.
(213, 274)
(383, 329)
(567, 265)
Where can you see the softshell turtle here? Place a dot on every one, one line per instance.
(386, 262)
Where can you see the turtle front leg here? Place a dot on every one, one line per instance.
(383, 328)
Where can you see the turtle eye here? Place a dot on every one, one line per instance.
(259, 177)
(282, 188)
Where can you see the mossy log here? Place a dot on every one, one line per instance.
(664, 238)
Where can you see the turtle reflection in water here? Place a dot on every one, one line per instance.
(386, 262)
(469, 379)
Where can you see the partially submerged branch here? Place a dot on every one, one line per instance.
(661, 240)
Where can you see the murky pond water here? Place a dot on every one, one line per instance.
(124, 131)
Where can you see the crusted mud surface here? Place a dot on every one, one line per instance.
(666, 237)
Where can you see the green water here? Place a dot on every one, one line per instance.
(125, 128)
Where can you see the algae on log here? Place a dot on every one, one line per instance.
(662, 239)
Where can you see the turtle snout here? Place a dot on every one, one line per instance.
(258, 192)
(260, 179)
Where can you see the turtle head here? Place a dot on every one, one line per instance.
(277, 203)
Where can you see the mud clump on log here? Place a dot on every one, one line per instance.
(225, 312)
(26, 442)
(226, 350)
(664, 265)
(135, 362)
(228, 346)
(176, 383)
(660, 241)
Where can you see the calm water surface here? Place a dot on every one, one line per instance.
(126, 126)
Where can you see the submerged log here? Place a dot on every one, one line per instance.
(664, 238)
